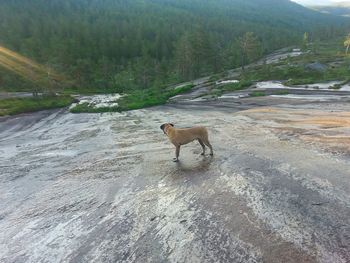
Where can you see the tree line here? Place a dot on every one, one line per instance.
(118, 45)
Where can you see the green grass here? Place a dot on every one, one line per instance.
(221, 88)
(137, 99)
(150, 97)
(12, 106)
(281, 92)
(243, 84)
(257, 94)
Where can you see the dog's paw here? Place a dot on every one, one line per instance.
(175, 160)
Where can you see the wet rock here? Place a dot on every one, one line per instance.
(103, 188)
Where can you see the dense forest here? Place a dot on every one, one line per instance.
(118, 45)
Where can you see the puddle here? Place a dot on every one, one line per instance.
(227, 81)
(234, 96)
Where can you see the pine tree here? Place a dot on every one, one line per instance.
(305, 41)
(250, 48)
(184, 57)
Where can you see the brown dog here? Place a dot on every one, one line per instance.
(180, 137)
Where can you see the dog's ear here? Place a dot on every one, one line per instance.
(171, 124)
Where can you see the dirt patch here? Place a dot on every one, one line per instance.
(326, 129)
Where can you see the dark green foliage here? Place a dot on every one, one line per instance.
(127, 45)
(257, 94)
(250, 48)
(14, 106)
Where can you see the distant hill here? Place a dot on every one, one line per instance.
(339, 9)
(123, 44)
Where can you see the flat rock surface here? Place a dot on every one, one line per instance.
(103, 188)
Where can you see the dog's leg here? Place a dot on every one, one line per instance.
(176, 159)
(203, 146)
(207, 143)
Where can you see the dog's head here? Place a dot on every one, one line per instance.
(163, 126)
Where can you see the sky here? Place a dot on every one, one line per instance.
(319, 2)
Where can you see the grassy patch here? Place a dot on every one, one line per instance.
(281, 92)
(257, 94)
(243, 84)
(137, 99)
(150, 97)
(12, 106)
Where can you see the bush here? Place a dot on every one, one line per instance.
(12, 106)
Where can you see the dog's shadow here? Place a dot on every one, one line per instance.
(190, 168)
